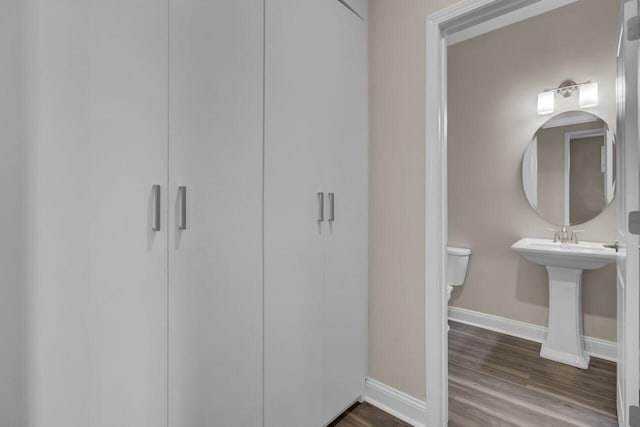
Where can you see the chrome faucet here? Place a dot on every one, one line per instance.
(563, 235)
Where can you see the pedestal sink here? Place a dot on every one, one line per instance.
(565, 263)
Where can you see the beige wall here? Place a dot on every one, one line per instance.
(493, 83)
(550, 175)
(397, 187)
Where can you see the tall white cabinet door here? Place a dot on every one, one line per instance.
(346, 176)
(215, 255)
(98, 142)
(298, 104)
(360, 7)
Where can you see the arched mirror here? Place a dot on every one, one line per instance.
(568, 169)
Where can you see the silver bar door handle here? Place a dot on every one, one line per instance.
(182, 197)
(155, 220)
(320, 207)
(332, 210)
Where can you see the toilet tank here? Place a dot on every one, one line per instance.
(457, 264)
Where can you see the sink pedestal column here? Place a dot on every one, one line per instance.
(564, 337)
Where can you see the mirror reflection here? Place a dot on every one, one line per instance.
(568, 169)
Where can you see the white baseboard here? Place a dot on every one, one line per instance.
(594, 346)
(399, 404)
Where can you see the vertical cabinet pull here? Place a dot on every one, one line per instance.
(182, 197)
(332, 210)
(155, 217)
(320, 207)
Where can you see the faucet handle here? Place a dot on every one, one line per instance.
(574, 236)
(556, 234)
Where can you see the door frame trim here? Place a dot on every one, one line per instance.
(472, 18)
(627, 286)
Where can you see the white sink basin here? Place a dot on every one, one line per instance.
(583, 255)
(565, 263)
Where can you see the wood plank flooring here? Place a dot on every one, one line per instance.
(500, 381)
(366, 415)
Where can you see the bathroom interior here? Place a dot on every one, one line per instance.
(533, 337)
(221, 213)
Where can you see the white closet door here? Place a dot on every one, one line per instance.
(298, 106)
(346, 166)
(13, 219)
(98, 313)
(358, 6)
(215, 268)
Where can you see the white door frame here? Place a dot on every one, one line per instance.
(627, 286)
(463, 20)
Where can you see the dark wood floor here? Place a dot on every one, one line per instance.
(497, 380)
(366, 415)
(501, 381)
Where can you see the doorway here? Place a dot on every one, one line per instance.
(453, 25)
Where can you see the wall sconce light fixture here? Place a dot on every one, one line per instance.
(546, 102)
(588, 95)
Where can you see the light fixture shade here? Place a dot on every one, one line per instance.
(589, 95)
(546, 102)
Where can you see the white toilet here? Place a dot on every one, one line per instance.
(457, 264)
